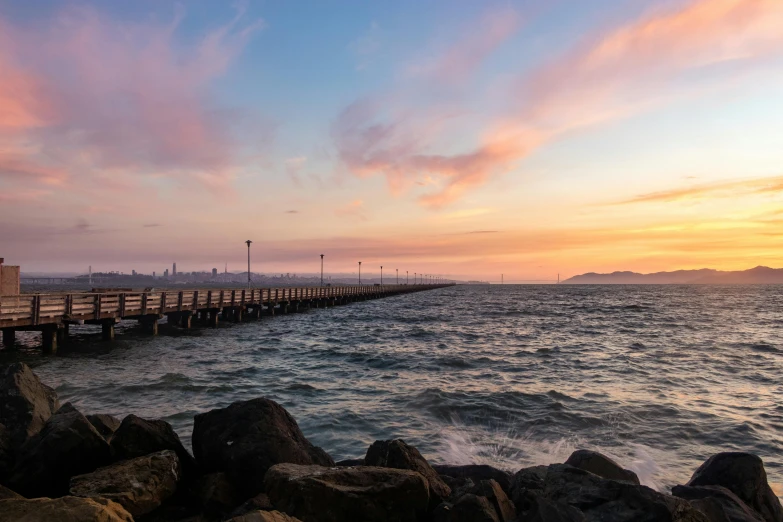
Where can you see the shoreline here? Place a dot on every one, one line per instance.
(250, 459)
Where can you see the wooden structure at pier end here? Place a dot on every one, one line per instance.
(52, 314)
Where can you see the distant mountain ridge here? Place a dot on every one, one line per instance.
(704, 276)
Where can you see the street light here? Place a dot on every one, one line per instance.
(398, 275)
(406, 277)
(360, 273)
(322, 270)
(414, 277)
(248, 262)
(381, 275)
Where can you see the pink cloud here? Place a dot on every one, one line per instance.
(610, 75)
(354, 209)
(97, 96)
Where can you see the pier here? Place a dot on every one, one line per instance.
(53, 314)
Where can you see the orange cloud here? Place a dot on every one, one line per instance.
(611, 75)
(722, 189)
(94, 95)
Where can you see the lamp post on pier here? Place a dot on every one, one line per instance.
(406, 277)
(398, 275)
(248, 262)
(381, 275)
(322, 270)
(360, 273)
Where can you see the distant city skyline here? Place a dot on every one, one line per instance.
(465, 138)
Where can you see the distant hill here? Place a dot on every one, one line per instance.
(705, 276)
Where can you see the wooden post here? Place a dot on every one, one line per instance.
(107, 329)
(9, 338)
(49, 339)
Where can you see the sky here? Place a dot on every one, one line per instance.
(468, 139)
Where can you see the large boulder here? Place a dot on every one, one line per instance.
(743, 474)
(137, 437)
(319, 494)
(526, 485)
(717, 503)
(399, 455)
(455, 476)
(25, 403)
(601, 465)
(247, 438)
(543, 510)
(7, 493)
(139, 485)
(264, 516)
(105, 424)
(67, 445)
(65, 509)
(608, 500)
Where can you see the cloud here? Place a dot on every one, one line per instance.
(151, 225)
(612, 74)
(713, 190)
(91, 95)
(291, 211)
(354, 209)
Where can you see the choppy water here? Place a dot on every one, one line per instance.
(658, 376)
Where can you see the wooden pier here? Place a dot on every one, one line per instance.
(52, 314)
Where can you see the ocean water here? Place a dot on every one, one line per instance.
(659, 377)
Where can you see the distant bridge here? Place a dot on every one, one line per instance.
(52, 314)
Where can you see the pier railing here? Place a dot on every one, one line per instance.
(40, 309)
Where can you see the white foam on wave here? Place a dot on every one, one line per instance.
(509, 451)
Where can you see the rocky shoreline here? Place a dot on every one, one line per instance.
(251, 462)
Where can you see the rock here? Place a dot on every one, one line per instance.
(137, 437)
(609, 500)
(217, 494)
(264, 516)
(25, 403)
(492, 491)
(347, 463)
(260, 502)
(105, 424)
(139, 485)
(718, 503)
(743, 474)
(472, 508)
(67, 445)
(7, 493)
(601, 465)
(543, 510)
(247, 438)
(399, 455)
(6, 454)
(318, 494)
(476, 472)
(65, 509)
(527, 484)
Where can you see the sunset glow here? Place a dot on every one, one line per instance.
(466, 139)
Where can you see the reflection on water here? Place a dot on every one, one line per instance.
(659, 377)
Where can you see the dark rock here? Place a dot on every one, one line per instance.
(743, 474)
(137, 437)
(67, 445)
(7, 493)
(247, 438)
(347, 463)
(260, 502)
(25, 403)
(318, 494)
(7, 455)
(65, 509)
(601, 465)
(217, 494)
(105, 424)
(264, 516)
(472, 508)
(139, 485)
(608, 500)
(543, 510)
(492, 491)
(526, 485)
(475, 472)
(718, 503)
(399, 455)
